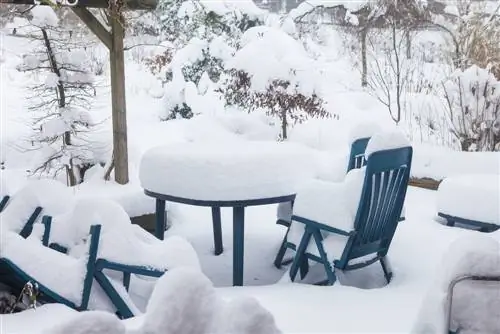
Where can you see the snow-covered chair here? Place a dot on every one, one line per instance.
(27, 204)
(285, 210)
(470, 201)
(125, 251)
(60, 278)
(350, 225)
(465, 296)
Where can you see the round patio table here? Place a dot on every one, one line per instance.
(233, 175)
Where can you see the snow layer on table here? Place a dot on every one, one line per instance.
(439, 163)
(386, 140)
(90, 322)
(475, 197)
(363, 130)
(60, 273)
(185, 301)
(473, 254)
(52, 196)
(120, 240)
(223, 171)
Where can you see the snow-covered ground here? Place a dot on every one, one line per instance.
(361, 303)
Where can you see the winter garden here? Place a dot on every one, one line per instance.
(293, 167)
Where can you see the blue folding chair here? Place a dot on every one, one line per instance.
(15, 277)
(384, 190)
(356, 160)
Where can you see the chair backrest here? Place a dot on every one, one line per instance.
(357, 155)
(384, 190)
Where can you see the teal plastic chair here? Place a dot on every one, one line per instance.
(356, 160)
(387, 174)
(16, 278)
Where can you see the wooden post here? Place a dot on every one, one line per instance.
(118, 103)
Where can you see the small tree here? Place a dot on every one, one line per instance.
(60, 101)
(262, 76)
(473, 100)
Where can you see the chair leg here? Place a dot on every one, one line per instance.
(329, 269)
(278, 261)
(386, 267)
(300, 254)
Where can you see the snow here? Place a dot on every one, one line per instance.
(52, 196)
(363, 130)
(90, 322)
(198, 308)
(119, 240)
(214, 171)
(471, 255)
(387, 140)
(44, 17)
(458, 196)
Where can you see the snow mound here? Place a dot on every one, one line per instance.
(474, 303)
(458, 196)
(90, 322)
(183, 301)
(44, 17)
(386, 140)
(120, 241)
(225, 171)
(52, 196)
(244, 315)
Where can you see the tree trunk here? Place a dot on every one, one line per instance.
(397, 118)
(408, 44)
(284, 125)
(364, 62)
(61, 102)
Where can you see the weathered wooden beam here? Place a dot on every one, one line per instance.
(118, 102)
(94, 25)
(127, 4)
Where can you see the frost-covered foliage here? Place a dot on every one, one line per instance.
(60, 98)
(202, 36)
(272, 71)
(473, 99)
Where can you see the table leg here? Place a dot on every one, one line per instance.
(238, 244)
(216, 221)
(160, 219)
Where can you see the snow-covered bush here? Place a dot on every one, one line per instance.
(202, 36)
(59, 98)
(272, 71)
(473, 100)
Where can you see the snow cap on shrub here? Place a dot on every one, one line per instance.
(386, 140)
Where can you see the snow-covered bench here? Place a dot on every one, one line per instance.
(471, 200)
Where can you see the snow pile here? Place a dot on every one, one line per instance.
(458, 196)
(386, 140)
(225, 171)
(476, 306)
(363, 130)
(90, 322)
(120, 241)
(52, 196)
(185, 301)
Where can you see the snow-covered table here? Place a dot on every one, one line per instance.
(472, 200)
(236, 175)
